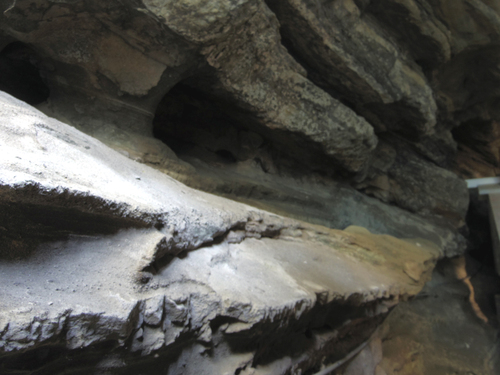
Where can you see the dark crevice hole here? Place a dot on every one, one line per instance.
(20, 75)
(192, 124)
(24, 226)
(202, 123)
(479, 239)
(226, 156)
(220, 320)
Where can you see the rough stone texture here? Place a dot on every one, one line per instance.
(367, 361)
(350, 55)
(315, 81)
(318, 117)
(104, 63)
(421, 337)
(331, 113)
(481, 140)
(397, 177)
(119, 277)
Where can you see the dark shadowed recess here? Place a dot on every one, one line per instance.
(196, 121)
(30, 217)
(25, 226)
(479, 244)
(343, 324)
(190, 123)
(20, 75)
(347, 319)
(54, 358)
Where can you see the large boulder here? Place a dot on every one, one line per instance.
(103, 257)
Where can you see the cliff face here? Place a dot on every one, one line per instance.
(322, 115)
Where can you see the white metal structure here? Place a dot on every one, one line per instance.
(490, 187)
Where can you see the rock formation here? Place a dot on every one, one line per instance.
(240, 187)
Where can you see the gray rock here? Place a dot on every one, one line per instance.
(400, 175)
(310, 80)
(108, 78)
(337, 113)
(350, 55)
(121, 281)
(153, 310)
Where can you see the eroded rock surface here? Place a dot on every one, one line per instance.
(421, 337)
(320, 115)
(315, 81)
(207, 284)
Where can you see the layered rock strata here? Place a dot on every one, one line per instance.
(319, 115)
(295, 86)
(109, 265)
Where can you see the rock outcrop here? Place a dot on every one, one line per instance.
(303, 117)
(100, 251)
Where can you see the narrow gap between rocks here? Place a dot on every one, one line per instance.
(235, 234)
(46, 223)
(336, 90)
(312, 74)
(479, 258)
(20, 74)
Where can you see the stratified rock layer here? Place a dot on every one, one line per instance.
(329, 114)
(171, 271)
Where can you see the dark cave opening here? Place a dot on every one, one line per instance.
(20, 74)
(192, 124)
(480, 245)
(196, 121)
